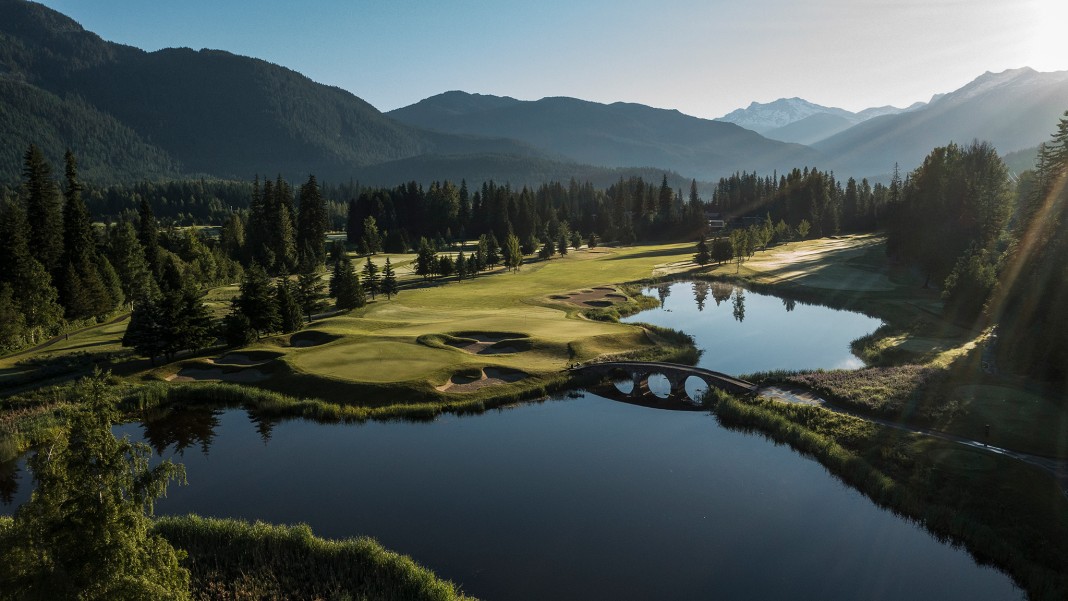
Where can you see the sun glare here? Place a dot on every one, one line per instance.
(1049, 45)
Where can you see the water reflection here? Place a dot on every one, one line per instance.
(739, 305)
(756, 331)
(663, 291)
(721, 291)
(9, 481)
(700, 293)
(180, 428)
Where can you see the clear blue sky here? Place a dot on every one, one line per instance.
(704, 58)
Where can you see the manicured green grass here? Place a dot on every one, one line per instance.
(385, 342)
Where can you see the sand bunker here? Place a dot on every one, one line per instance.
(489, 376)
(311, 338)
(601, 296)
(196, 374)
(491, 344)
(252, 358)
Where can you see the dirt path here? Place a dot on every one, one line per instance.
(1057, 467)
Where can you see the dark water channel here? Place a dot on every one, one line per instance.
(574, 498)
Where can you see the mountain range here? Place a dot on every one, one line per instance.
(798, 120)
(131, 115)
(614, 135)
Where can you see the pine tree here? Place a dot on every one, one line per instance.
(281, 230)
(371, 278)
(561, 245)
(513, 256)
(256, 301)
(257, 234)
(145, 331)
(349, 292)
(389, 280)
(186, 320)
(445, 266)
(31, 285)
(45, 235)
(148, 235)
(237, 329)
(128, 259)
(79, 243)
(547, 250)
(371, 241)
(290, 316)
(493, 250)
(310, 293)
(461, 267)
(425, 259)
(664, 199)
(12, 323)
(311, 225)
(232, 238)
(703, 257)
(83, 292)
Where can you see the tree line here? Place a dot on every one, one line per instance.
(996, 250)
(810, 195)
(444, 213)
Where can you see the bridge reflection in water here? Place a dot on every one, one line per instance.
(639, 375)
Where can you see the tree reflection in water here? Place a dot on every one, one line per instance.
(700, 293)
(9, 481)
(721, 291)
(180, 428)
(739, 304)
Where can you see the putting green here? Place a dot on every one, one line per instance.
(380, 343)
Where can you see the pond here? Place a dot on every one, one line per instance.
(740, 331)
(577, 497)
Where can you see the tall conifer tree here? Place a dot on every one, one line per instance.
(311, 225)
(45, 234)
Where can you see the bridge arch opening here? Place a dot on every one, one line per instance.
(659, 385)
(622, 380)
(695, 388)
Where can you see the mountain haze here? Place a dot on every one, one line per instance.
(1014, 110)
(798, 120)
(611, 135)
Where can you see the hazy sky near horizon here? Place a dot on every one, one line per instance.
(704, 58)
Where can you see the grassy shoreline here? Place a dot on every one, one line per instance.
(231, 559)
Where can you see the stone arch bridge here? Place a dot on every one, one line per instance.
(677, 375)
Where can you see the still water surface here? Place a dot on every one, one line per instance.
(579, 497)
(741, 331)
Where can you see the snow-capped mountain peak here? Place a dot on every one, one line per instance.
(764, 117)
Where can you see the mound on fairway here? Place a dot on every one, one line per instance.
(489, 343)
(381, 361)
